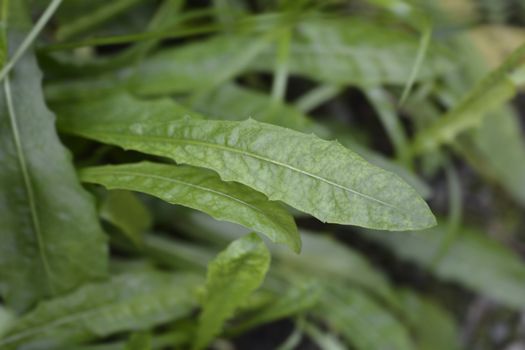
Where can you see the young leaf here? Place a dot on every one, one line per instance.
(473, 260)
(316, 176)
(203, 190)
(50, 239)
(132, 301)
(232, 277)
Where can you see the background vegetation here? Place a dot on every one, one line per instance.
(169, 178)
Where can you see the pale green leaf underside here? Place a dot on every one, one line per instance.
(232, 277)
(319, 177)
(131, 301)
(203, 190)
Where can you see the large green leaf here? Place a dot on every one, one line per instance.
(203, 190)
(316, 176)
(473, 260)
(361, 321)
(232, 277)
(132, 301)
(50, 239)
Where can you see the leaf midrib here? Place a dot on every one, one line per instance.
(167, 179)
(35, 221)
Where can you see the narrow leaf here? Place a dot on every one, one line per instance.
(491, 92)
(126, 212)
(361, 321)
(233, 102)
(432, 326)
(203, 190)
(50, 239)
(296, 299)
(356, 51)
(232, 277)
(473, 260)
(127, 302)
(316, 176)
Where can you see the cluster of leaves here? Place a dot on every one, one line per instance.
(203, 133)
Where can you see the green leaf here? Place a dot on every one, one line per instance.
(197, 66)
(127, 302)
(316, 176)
(139, 341)
(296, 299)
(356, 51)
(501, 147)
(126, 212)
(95, 16)
(324, 257)
(361, 321)
(50, 239)
(233, 102)
(232, 277)
(432, 326)
(203, 190)
(6, 321)
(491, 92)
(473, 260)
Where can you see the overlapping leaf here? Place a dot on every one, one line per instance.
(319, 177)
(202, 190)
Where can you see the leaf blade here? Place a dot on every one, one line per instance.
(49, 243)
(319, 177)
(127, 302)
(232, 277)
(202, 190)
